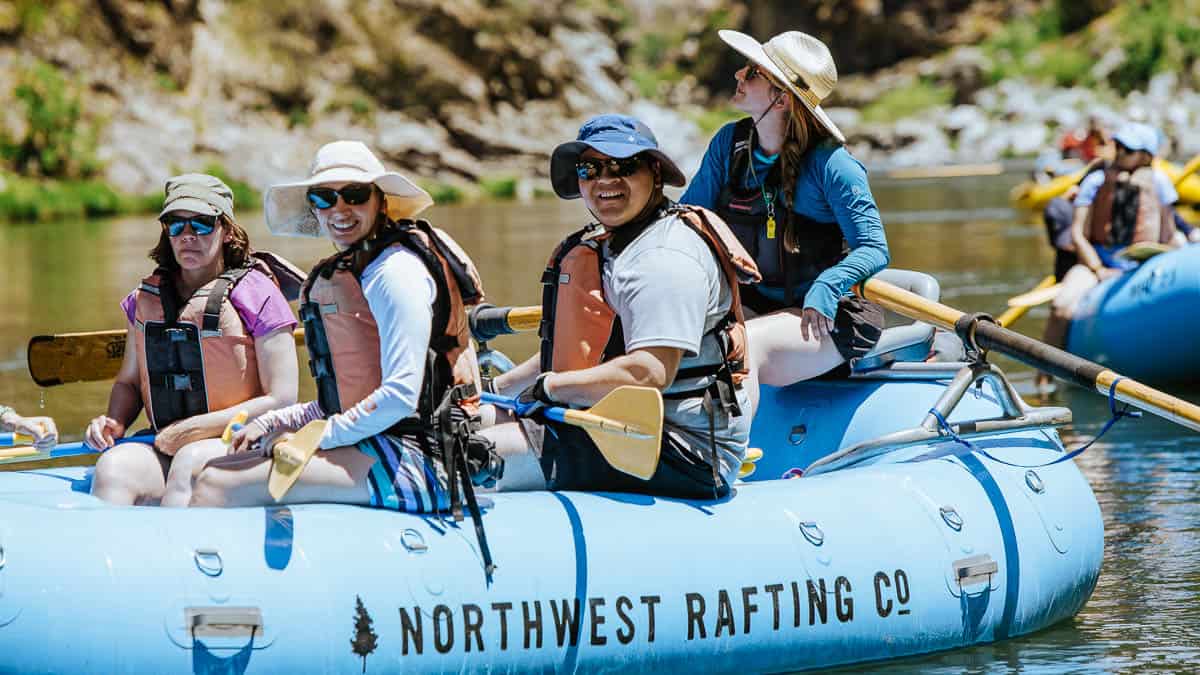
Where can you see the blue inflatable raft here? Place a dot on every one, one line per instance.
(897, 540)
(1143, 324)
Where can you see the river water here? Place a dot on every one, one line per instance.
(65, 277)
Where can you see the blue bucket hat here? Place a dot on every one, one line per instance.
(1137, 136)
(618, 136)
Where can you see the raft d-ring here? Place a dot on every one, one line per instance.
(1034, 481)
(798, 434)
(208, 561)
(812, 532)
(413, 542)
(953, 520)
(3, 558)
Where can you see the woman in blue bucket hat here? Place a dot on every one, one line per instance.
(647, 295)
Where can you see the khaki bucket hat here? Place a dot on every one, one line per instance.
(799, 61)
(286, 205)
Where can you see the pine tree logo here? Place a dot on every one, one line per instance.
(365, 640)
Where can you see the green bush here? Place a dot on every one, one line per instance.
(443, 193)
(502, 187)
(58, 142)
(41, 199)
(710, 121)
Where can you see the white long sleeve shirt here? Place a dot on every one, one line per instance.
(400, 292)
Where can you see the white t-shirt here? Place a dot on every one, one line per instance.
(669, 291)
(400, 292)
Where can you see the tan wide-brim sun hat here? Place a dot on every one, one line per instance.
(800, 62)
(287, 209)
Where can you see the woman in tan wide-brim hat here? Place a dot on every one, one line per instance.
(801, 204)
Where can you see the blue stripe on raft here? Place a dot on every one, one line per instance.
(581, 580)
(1012, 558)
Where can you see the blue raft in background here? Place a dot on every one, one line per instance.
(898, 540)
(1144, 324)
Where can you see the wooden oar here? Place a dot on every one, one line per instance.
(82, 357)
(1013, 313)
(625, 425)
(1037, 354)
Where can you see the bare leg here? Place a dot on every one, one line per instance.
(332, 476)
(779, 354)
(522, 471)
(130, 473)
(186, 466)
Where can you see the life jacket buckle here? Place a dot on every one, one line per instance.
(180, 382)
(176, 334)
(211, 333)
(331, 308)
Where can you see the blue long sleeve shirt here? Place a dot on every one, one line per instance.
(831, 187)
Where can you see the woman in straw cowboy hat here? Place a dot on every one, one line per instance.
(800, 203)
(385, 326)
(210, 335)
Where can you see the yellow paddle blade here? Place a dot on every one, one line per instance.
(289, 457)
(1035, 297)
(626, 427)
(1011, 314)
(1143, 251)
(748, 464)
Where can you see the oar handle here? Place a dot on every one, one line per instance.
(988, 335)
(11, 438)
(488, 321)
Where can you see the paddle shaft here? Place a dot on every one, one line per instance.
(488, 322)
(1067, 366)
(578, 418)
(66, 454)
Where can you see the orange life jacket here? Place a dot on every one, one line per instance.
(580, 329)
(198, 357)
(343, 338)
(1127, 210)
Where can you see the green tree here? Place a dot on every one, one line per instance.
(58, 142)
(365, 640)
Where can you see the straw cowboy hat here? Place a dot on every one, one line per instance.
(800, 62)
(287, 209)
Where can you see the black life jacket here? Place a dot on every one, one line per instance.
(819, 245)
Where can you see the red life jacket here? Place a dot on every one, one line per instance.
(1127, 210)
(343, 338)
(198, 357)
(580, 329)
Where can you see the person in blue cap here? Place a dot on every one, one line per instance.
(801, 204)
(645, 295)
(1128, 202)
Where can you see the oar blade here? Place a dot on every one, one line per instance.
(1142, 251)
(641, 409)
(75, 357)
(1035, 297)
(291, 456)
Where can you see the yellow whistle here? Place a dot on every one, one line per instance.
(770, 227)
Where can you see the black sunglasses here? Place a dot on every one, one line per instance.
(353, 194)
(591, 169)
(201, 224)
(753, 70)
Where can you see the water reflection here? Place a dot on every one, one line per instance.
(65, 277)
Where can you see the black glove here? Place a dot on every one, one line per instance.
(534, 400)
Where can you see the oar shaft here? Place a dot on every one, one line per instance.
(1040, 355)
(488, 322)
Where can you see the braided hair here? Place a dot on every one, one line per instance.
(802, 132)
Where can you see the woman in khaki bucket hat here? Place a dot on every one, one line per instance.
(801, 204)
(209, 336)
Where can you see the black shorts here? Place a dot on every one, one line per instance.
(857, 324)
(571, 461)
